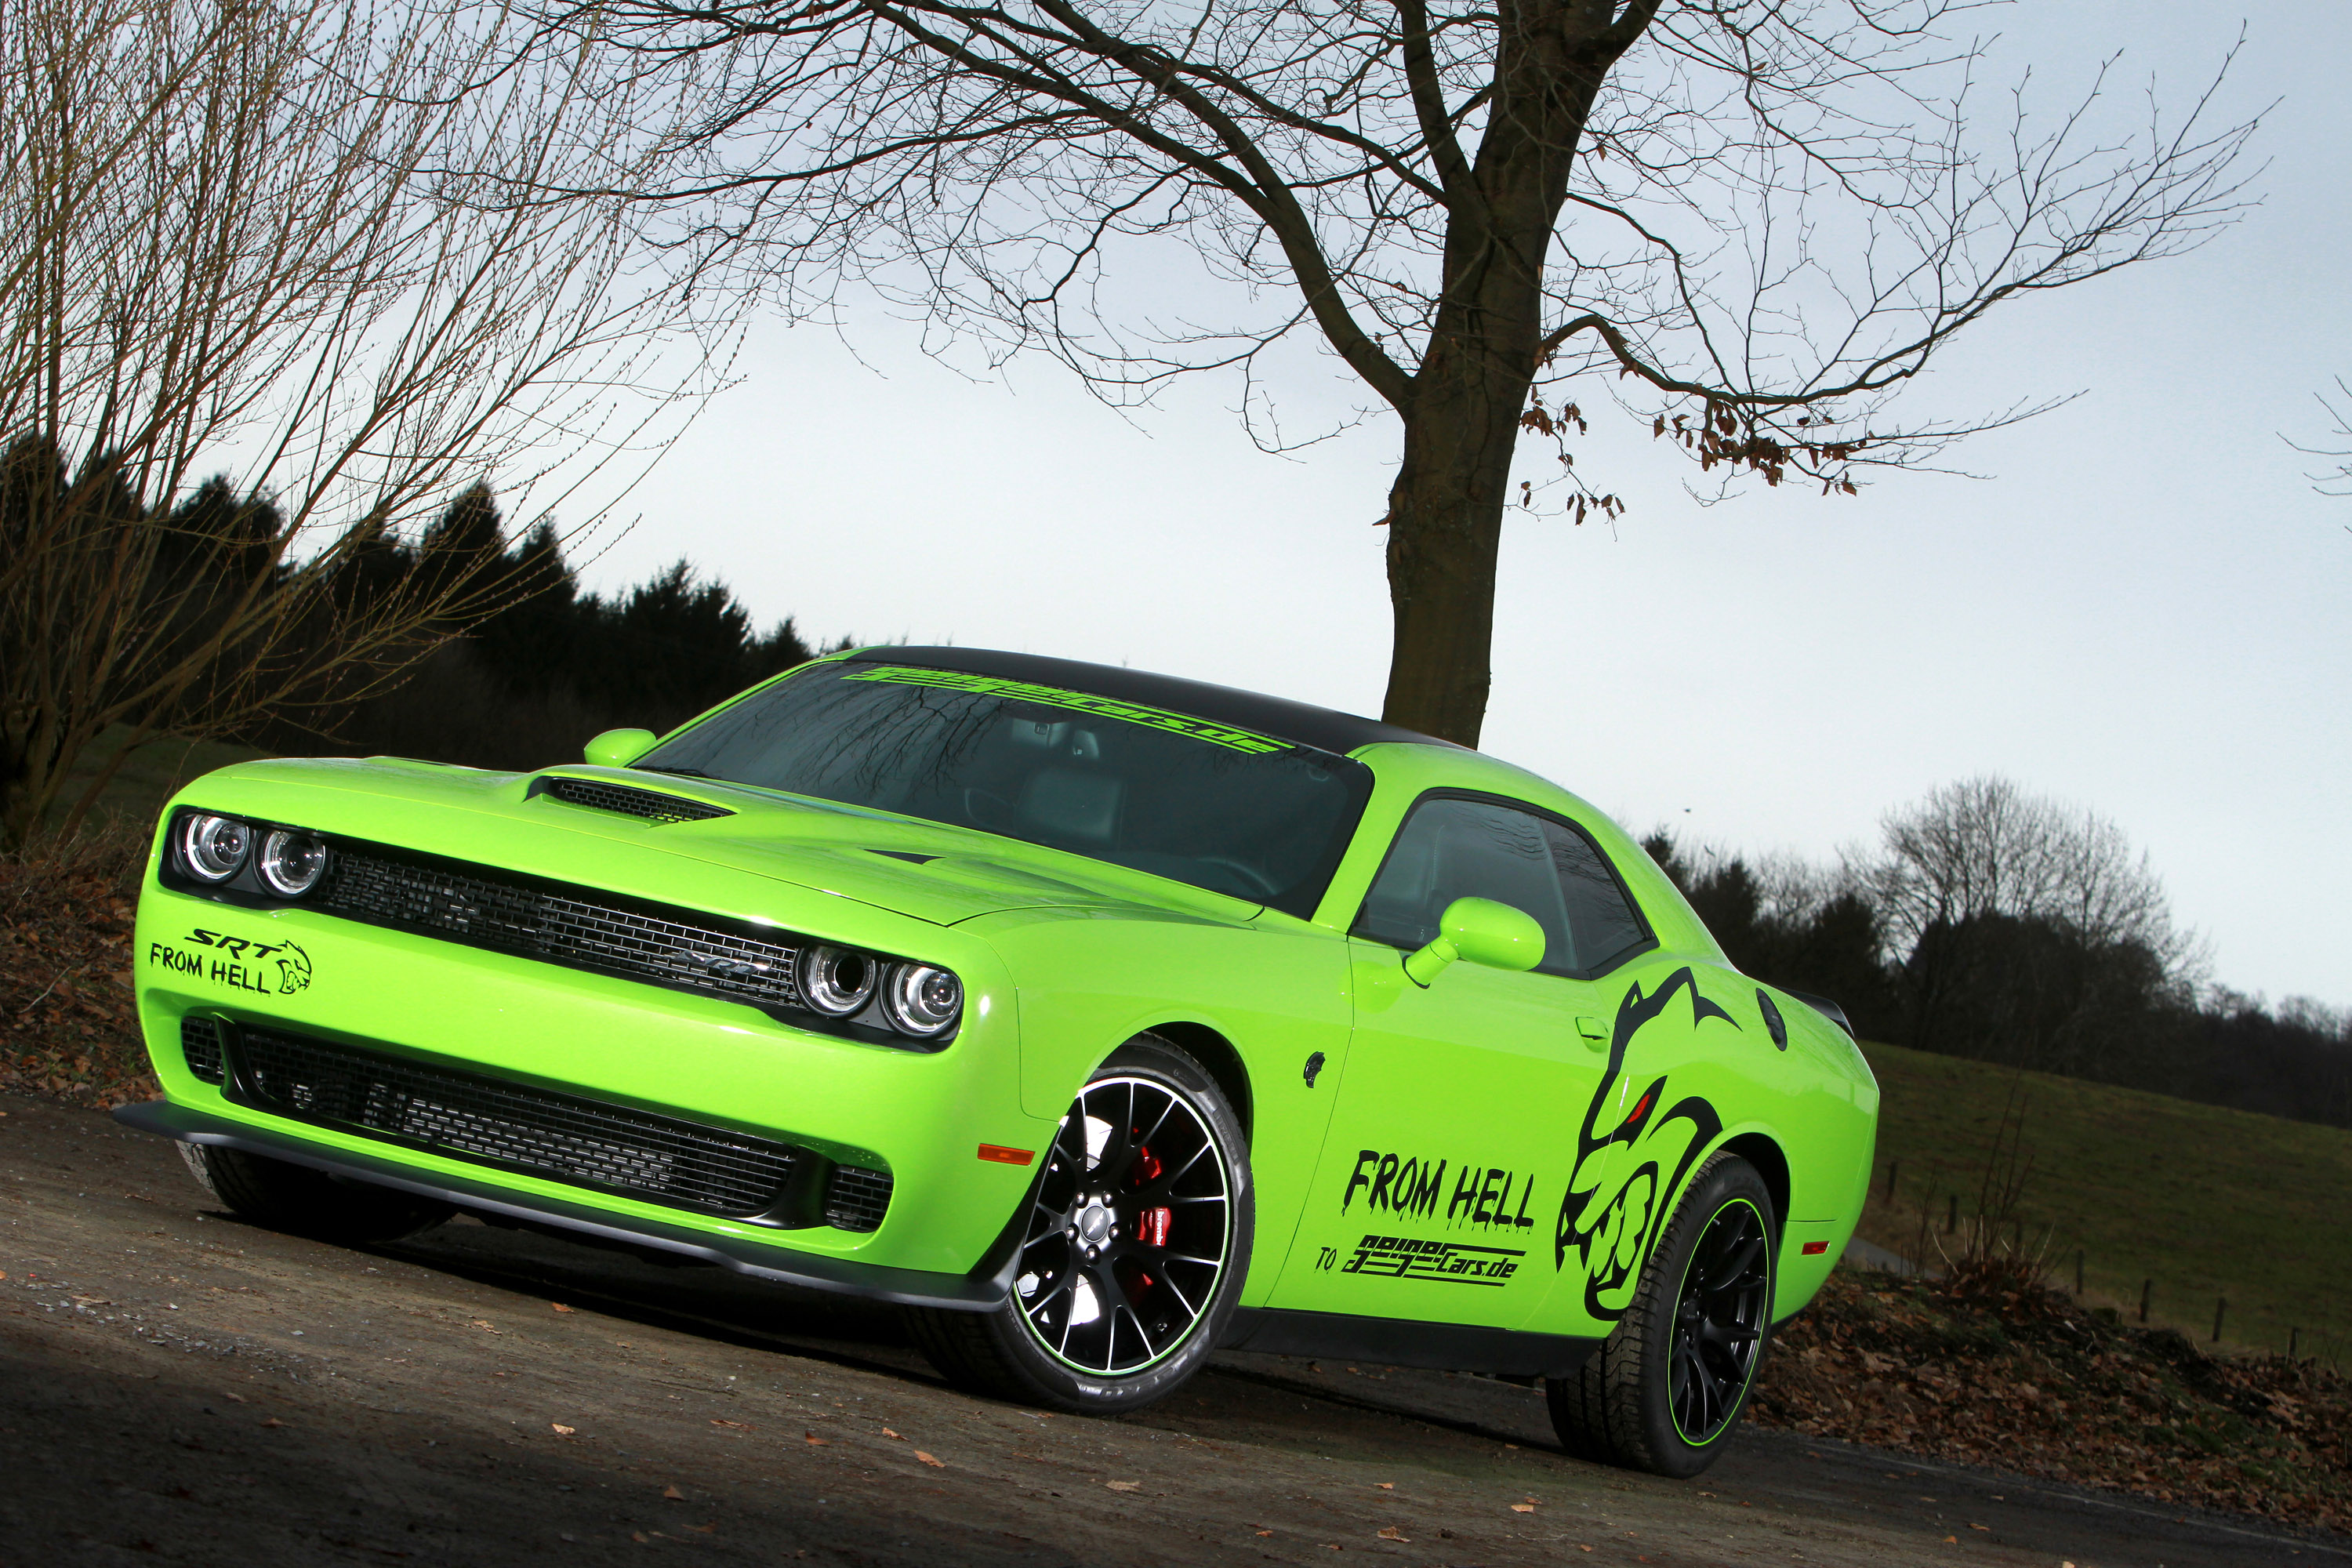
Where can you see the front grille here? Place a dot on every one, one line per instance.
(200, 1042)
(857, 1198)
(646, 803)
(679, 1164)
(574, 928)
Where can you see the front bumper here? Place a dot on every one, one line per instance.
(979, 1291)
(914, 1120)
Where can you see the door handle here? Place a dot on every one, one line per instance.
(1595, 1032)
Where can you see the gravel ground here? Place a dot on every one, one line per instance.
(176, 1384)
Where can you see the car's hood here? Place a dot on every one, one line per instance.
(929, 870)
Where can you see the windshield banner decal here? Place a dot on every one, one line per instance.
(1224, 735)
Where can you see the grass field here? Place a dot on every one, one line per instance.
(148, 777)
(2206, 1202)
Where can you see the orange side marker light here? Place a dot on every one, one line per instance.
(1000, 1155)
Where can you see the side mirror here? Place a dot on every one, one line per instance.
(619, 748)
(1483, 931)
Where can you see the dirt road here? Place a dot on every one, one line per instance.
(176, 1384)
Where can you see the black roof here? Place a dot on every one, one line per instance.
(1302, 722)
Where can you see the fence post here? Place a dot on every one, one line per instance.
(2220, 1305)
(2293, 1335)
(1892, 1166)
(2147, 1289)
(2078, 1273)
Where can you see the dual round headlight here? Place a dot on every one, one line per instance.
(213, 848)
(918, 999)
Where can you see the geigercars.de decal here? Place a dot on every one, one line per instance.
(263, 968)
(1447, 1262)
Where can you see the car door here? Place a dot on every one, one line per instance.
(1451, 1143)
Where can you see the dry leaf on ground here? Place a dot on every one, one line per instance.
(2029, 1380)
(1123, 1486)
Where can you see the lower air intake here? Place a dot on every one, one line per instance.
(587, 1142)
(200, 1042)
(857, 1198)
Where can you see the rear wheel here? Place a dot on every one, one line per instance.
(1667, 1386)
(1137, 1239)
(311, 1203)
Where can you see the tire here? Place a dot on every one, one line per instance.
(1704, 1306)
(1118, 1299)
(289, 1197)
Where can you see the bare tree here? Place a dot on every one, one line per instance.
(284, 238)
(2335, 480)
(1980, 853)
(1984, 846)
(1750, 222)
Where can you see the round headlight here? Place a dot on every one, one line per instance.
(922, 1001)
(291, 863)
(214, 847)
(835, 981)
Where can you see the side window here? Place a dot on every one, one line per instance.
(1451, 849)
(1600, 921)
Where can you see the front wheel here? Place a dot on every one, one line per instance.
(286, 1196)
(1667, 1386)
(1138, 1237)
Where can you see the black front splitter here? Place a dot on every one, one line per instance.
(979, 1292)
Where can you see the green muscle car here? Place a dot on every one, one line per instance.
(1096, 1019)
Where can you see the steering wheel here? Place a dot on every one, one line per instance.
(985, 809)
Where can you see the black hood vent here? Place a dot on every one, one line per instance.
(650, 804)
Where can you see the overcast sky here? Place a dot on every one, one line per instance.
(2143, 609)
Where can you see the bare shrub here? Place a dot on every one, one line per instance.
(294, 243)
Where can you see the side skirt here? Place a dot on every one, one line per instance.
(1402, 1341)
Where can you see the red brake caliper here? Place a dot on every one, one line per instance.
(1151, 1226)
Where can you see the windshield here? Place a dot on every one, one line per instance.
(1221, 808)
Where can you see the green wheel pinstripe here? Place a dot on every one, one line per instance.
(1687, 1351)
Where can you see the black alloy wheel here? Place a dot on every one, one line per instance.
(1667, 1386)
(1719, 1322)
(1132, 1245)
(1130, 1231)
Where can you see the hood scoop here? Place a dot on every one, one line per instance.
(651, 805)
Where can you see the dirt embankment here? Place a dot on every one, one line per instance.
(67, 1031)
(2025, 1380)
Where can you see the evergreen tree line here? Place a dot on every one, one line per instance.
(1995, 925)
(531, 683)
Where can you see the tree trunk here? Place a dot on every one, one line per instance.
(1462, 420)
(1445, 530)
